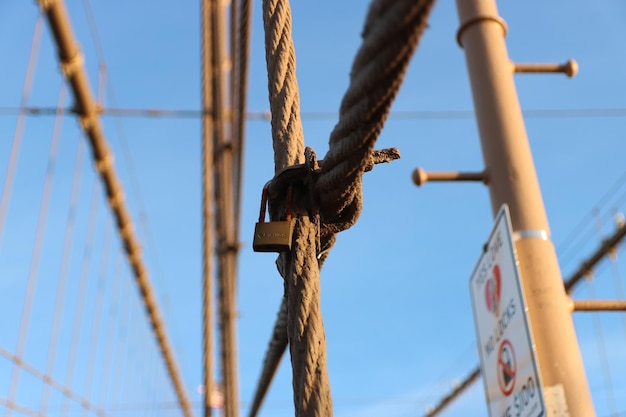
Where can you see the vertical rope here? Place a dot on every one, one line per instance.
(207, 218)
(225, 224)
(305, 328)
(239, 108)
(280, 55)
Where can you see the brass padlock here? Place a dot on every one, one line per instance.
(273, 236)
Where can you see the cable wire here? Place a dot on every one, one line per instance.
(398, 115)
(72, 67)
(79, 315)
(63, 274)
(19, 128)
(66, 390)
(37, 247)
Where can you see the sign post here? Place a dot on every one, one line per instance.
(507, 352)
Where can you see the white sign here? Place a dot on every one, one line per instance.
(507, 354)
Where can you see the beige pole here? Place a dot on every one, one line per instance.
(513, 180)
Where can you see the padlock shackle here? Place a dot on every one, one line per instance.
(288, 209)
(264, 202)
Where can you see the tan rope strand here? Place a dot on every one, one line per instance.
(307, 341)
(71, 65)
(225, 224)
(287, 134)
(241, 63)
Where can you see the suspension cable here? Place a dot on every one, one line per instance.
(49, 381)
(72, 68)
(79, 315)
(63, 275)
(39, 237)
(207, 206)
(244, 25)
(227, 248)
(19, 128)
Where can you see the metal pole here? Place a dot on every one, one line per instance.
(513, 180)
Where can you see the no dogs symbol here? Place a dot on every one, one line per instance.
(507, 368)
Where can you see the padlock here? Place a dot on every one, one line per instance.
(273, 236)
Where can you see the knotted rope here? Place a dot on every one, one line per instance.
(330, 198)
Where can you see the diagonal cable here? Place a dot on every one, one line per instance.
(73, 70)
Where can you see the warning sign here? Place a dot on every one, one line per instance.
(507, 368)
(507, 355)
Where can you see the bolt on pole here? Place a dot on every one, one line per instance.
(513, 180)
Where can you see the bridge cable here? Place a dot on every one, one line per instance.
(104, 83)
(31, 284)
(227, 248)
(73, 69)
(114, 307)
(207, 209)
(597, 325)
(79, 312)
(392, 30)
(63, 275)
(96, 322)
(47, 380)
(19, 128)
(244, 26)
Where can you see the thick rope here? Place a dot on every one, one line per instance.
(389, 40)
(305, 327)
(390, 37)
(392, 30)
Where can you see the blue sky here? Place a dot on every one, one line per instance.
(395, 297)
